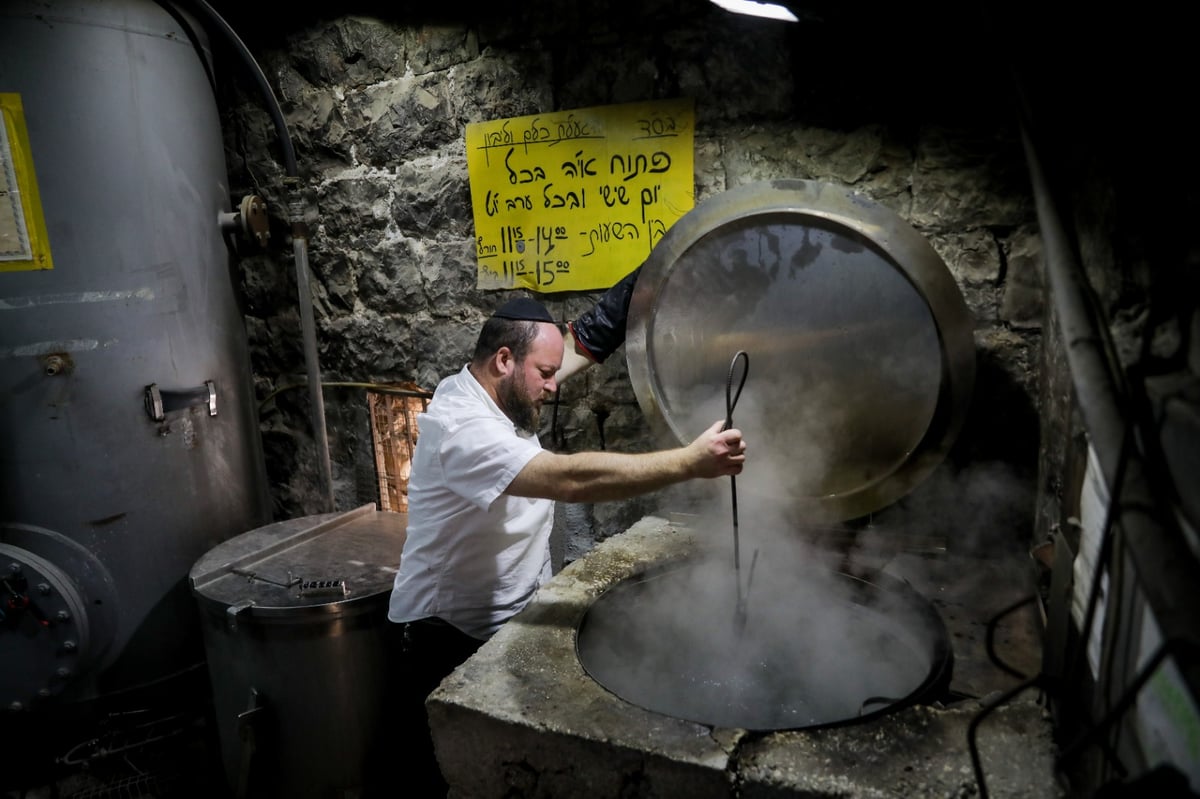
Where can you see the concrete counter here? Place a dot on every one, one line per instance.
(522, 718)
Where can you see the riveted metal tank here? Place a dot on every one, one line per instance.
(127, 418)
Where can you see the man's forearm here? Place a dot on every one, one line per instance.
(601, 476)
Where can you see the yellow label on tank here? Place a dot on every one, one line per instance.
(24, 244)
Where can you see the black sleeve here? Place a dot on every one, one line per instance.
(601, 330)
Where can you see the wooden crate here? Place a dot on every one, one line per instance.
(394, 431)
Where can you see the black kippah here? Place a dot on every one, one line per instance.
(526, 309)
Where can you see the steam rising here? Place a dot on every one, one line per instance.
(817, 647)
(845, 381)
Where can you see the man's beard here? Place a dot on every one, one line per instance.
(522, 411)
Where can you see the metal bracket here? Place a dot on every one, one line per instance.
(231, 613)
(159, 403)
(246, 722)
(250, 220)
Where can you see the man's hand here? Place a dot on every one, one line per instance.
(717, 453)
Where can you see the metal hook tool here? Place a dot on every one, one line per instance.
(731, 399)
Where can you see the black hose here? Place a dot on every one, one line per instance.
(990, 638)
(973, 727)
(260, 80)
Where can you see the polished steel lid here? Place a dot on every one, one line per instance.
(321, 564)
(858, 344)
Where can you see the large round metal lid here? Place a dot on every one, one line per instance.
(858, 345)
(318, 565)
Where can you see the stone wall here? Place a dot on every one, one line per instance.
(377, 102)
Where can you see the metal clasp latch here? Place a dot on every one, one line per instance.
(159, 403)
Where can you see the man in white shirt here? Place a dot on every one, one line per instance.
(481, 500)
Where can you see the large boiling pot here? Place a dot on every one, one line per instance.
(833, 648)
(860, 361)
(293, 616)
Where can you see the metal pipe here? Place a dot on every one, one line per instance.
(299, 244)
(1156, 547)
(1101, 398)
(309, 336)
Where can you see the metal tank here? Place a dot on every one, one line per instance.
(128, 436)
(293, 618)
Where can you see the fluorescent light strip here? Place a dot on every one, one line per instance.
(756, 9)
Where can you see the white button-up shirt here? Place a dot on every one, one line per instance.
(473, 555)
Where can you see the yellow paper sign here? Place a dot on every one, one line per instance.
(24, 244)
(575, 200)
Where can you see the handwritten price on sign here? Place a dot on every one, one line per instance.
(575, 200)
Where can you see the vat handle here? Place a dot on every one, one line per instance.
(231, 613)
(159, 403)
(245, 727)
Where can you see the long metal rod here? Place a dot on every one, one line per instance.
(731, 399)
(1159, 552)
(1101, 398)
(311, 362)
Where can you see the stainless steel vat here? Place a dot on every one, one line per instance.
(293, 617)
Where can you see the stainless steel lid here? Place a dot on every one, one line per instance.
(318, 564)
(859, 344)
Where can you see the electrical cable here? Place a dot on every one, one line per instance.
(990, 635)
(1117, 617)
(1042, 679)
(1148, 441)
(1074, 667)
(190, 31)
(1109, 398)
(1075, 663)
(299, 231)
(977, 719)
